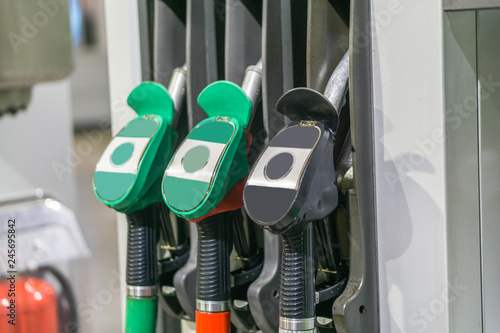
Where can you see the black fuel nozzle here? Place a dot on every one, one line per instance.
(293, 183)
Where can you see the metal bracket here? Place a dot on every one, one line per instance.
(470, 4)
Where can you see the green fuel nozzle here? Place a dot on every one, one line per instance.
(213, 157)
(209, 164)
(128, 179)
(134, 161)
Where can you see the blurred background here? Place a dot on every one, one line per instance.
(58, 139)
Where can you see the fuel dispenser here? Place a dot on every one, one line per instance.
(300, 187)
(293, 184)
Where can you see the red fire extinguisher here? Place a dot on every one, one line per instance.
(29, 304)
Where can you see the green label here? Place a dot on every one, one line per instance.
(140, 128)
(195, 159)
(122, 153)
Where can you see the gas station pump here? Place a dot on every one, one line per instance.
(293, 184)
(351, 202)
(299, 185)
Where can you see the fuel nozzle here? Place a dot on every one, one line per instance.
(292, 184)
(127, 179)
(204, 183)
(213, 156)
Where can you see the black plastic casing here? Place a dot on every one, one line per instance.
(315, 195)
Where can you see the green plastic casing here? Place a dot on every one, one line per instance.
(193, 195)
(141, 315)
(136, 182)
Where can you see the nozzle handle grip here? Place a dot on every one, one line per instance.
(297, 291)
(214, 249)
(142, 237)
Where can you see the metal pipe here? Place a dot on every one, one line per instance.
(338, 84)
(252, 86)
(177, 91)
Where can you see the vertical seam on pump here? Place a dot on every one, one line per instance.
(479, 156)
(376, 283)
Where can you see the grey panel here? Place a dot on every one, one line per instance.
(185, 278)
(328, 39)
(170, 42)
(462, 172)
(201, 54)
(243, 40)
(276, 60)
(470, 4)
(263, 293)
(357, 309)
(36, 43)
(488, 23)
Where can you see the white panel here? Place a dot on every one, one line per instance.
(489, 78)
(124, 60)
(410, 165)
(206, 173)
(105, 164)
(124, 69)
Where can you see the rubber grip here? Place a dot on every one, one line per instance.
(142, 238)
(214, 250)
(141, 315)
(213, 322)
(297, 291)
